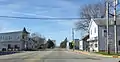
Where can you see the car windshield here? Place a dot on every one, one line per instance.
(59, 31)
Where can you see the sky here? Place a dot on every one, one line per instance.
(53, 29)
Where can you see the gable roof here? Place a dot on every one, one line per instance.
(102, 21)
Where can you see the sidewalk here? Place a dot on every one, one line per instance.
(94, 54)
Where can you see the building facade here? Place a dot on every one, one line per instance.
(83, 43)
(18, 40)
(97, 32)
(76, 43)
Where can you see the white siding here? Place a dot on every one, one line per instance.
(14, 38)
(10, 37)
(81, 44)
(93, 32)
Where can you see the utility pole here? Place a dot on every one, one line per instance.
(107, 25)
(115, 27)
(73, 39)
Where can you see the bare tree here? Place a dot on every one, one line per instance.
(90, 11)
(38, 39)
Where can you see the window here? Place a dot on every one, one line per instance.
(29, 39)
(95, 30)
(91, 32)
(9, 46)
(9, 37)
(0, 37)
(18, 37)
(15, 46)
(104, 32)
(119, 42)
(95, 37)
(95, 45)
(6, 38)
(3, 37)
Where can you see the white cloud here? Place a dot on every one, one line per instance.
(6, 26)
(69, 23)
(3, 25)
(52, 9)
(31, 14)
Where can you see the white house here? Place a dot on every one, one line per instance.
(14, 40)
(97, 35)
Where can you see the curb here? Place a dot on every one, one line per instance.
(87, 53)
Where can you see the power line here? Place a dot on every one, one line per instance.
(16, 17)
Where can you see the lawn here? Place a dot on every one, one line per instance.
(105, 53)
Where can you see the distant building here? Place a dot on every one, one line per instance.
(18, 40)
(54, 41)
(76, 43)
(83, 43)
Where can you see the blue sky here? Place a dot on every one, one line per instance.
(54, 29)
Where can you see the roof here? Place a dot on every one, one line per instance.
(24, 30)
(85, 37)
(12, 32)
(102, 21)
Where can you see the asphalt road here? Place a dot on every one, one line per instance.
(53, 55)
